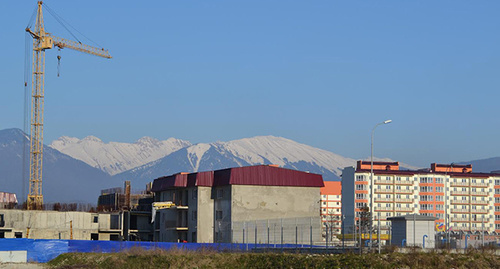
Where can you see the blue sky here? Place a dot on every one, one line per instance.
(322, 73)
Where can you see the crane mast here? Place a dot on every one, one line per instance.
(42, 41)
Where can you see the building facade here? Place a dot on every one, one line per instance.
(7, 200)
(37, 224)
(460, 199)
(331, 207)
(236, 204)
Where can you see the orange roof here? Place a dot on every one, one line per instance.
(331, 188)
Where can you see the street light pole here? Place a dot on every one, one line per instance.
(371, 180)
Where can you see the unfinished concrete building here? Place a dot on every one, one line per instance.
(37, 224)
(235, 204)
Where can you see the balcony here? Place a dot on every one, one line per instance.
(459, 210)
(479, 184)
(383, 209)
(459, 219)
(384, 182)
(404, 182)
(402, 200)
(459, 202)
(404, 209)
(390, 200)
(459, 184)
(479, 193)
(478, 229)
(403, 191)
(478, 202)
(459, 193)
(480, 211)
(483, 220)
(383, 191)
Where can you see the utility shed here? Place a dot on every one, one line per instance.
(413, 230)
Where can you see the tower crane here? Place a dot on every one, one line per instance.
(42, 41)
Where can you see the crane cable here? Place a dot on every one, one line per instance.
(27, 61)
(63, 22)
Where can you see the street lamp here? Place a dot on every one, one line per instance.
(371, 182)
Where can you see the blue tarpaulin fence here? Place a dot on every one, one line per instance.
(44, 250)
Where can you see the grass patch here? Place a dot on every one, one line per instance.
(179, 258)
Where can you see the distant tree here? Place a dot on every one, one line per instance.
(56, 207)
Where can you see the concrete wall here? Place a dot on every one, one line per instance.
(48, 224)
(205, 220)
(348, 198)
(297, 207)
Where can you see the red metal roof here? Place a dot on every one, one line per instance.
(201, 179)
(263, 175)
(266, 175)
(176, 180)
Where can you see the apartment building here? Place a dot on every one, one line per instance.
(236, 204)
(454, 194)
(331, 207)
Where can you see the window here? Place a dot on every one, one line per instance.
(361, 187)
(360, 205)
(426, 189)
(220, 193)
(2, 221)
(114, 222)
(439, 180)
(439, 207)
(426, 198)
(426, 207)
(218, 215)
(360, 196)
(426, 180)
(497, 191)
(360, 178)
(95, 219)
(18, 235)
(439, 198)
(94, 236)
(497, 181)
(439, 189)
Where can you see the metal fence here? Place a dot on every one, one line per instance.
(298, 231)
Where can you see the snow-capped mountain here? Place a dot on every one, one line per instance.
(65, 179)
(115, 157)
(248, 151)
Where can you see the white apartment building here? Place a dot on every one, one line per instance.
(456, 196)
(331, 207)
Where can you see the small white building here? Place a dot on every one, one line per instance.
(413, 230)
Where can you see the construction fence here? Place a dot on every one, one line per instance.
(44, 250)
(297, 231)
